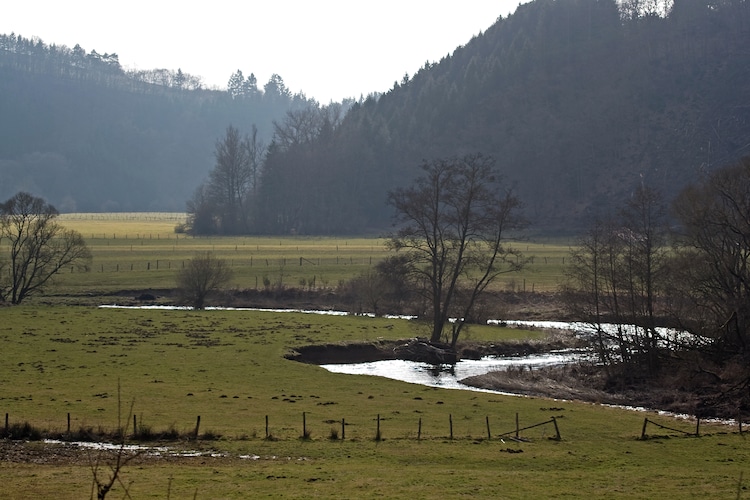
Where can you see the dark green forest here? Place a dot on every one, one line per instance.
(580, 102)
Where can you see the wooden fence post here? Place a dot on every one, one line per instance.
(643, 432)
(343, 429)
(516, 425)
(419, 430)
(266, 426)
(68, 422)
(557, 429)
(450, 421)
(197, 426)
(487, 419)
(377, 433)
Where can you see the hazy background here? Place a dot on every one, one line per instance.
(328, 49)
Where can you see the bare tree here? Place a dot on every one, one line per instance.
(201, 276)
(230, 181)
(39, 246)
(715, 225)
(617, 274)
(644, 235)
(453, 223)
(300, 126)
(591, 290)
(102, 483)
(256, 153)
(224, 203)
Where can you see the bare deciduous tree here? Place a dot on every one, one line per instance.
(715, 222)
(617, 273)
(223, 204)
(230, 181)
(39, 246)
(453, 223)
(201, 276)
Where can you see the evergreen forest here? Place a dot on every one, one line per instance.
(579, 102)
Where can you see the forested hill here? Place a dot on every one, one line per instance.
(578, 100)
(80, 131)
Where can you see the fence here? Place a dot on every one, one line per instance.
(26, 431)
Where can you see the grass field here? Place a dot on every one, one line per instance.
(142, 251)
(228, 367)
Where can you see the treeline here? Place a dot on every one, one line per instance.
(33, 55)
(579, 102)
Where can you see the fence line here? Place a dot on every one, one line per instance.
(26, 431)
(17, 431)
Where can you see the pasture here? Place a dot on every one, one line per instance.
(140, 251)
(228, 367)
(273, 427)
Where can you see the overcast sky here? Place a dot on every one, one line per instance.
(328, 49)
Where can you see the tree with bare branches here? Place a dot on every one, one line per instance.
(453, 223)
(39, 247)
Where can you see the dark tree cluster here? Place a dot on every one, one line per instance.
(578, 102)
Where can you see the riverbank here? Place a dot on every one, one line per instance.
(583, 381)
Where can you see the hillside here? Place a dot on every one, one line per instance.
(579, 101)
(78, 130)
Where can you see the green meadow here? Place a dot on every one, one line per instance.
(101, 366)
(143, 251)
(228, 367)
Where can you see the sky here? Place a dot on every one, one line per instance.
(327, 49)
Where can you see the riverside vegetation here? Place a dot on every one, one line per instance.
(63, 355)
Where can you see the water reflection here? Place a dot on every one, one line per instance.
(449, 376)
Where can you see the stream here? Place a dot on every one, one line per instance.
(450, 376)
